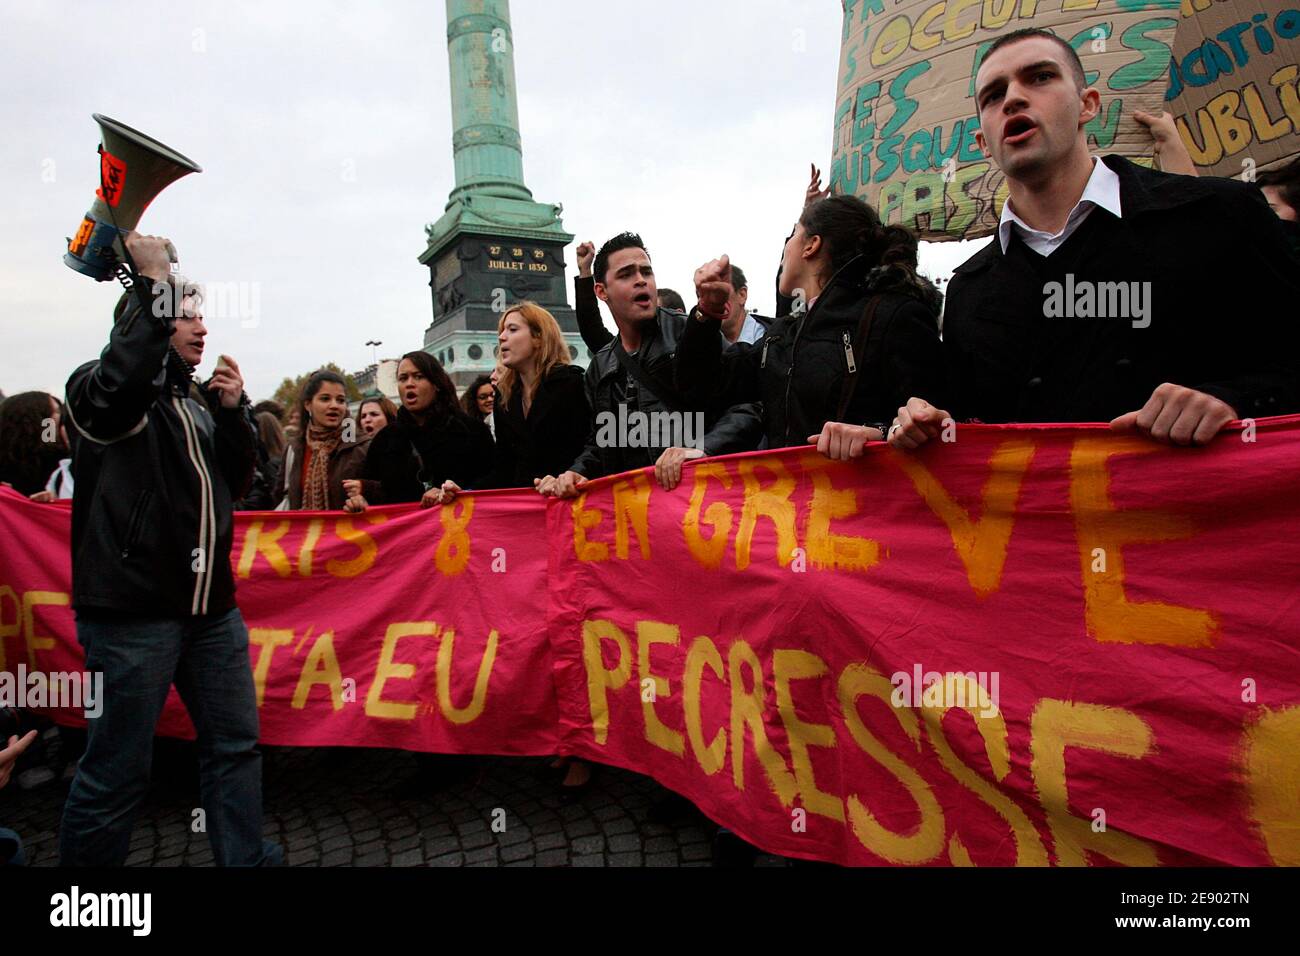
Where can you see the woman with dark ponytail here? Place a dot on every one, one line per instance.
(863, 337)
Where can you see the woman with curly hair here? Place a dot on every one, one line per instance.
(30, 443)
(480, 399)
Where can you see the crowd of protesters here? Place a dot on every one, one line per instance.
(863, 349)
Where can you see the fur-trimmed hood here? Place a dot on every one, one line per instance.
(899, 280)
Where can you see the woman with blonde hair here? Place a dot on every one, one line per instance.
(542, 419)
(541, 424)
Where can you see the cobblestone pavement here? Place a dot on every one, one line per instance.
(355, 807)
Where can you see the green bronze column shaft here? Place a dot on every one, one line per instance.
(484, 110)
(493, 243)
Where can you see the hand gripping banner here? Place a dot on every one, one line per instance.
(1019, 646)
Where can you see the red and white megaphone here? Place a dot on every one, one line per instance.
(133, 169)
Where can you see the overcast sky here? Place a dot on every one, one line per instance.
(324, 132)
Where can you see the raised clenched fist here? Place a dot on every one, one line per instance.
(586, 255)
(713, 288)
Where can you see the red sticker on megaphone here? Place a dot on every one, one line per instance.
(112, 176)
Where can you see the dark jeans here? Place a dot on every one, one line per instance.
(207, 658)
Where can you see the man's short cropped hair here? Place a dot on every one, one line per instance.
(624, 240)
(738, 280)
(669, 299)
(1071, 56)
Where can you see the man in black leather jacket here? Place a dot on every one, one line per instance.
(639, 382)
(157, 466)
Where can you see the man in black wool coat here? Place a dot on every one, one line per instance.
(1162, 304)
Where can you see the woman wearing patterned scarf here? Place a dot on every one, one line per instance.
(328, 452)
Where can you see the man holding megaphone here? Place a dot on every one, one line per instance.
(157, 464)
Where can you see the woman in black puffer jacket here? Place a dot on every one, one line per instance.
(833, 372)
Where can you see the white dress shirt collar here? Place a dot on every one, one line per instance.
(1102, 190)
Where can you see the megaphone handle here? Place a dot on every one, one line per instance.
(124, 254)
(119, 246)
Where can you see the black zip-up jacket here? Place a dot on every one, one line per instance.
(547, 441)
(155, 471)
(728, 427)
(798, 368)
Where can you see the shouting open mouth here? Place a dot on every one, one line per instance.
(1018, 129)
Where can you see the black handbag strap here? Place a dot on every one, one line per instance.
(632, 365)
(859, 350)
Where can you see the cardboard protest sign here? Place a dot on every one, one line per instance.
(905, 117)
(1233, 84)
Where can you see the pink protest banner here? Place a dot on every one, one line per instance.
(1030, 645)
